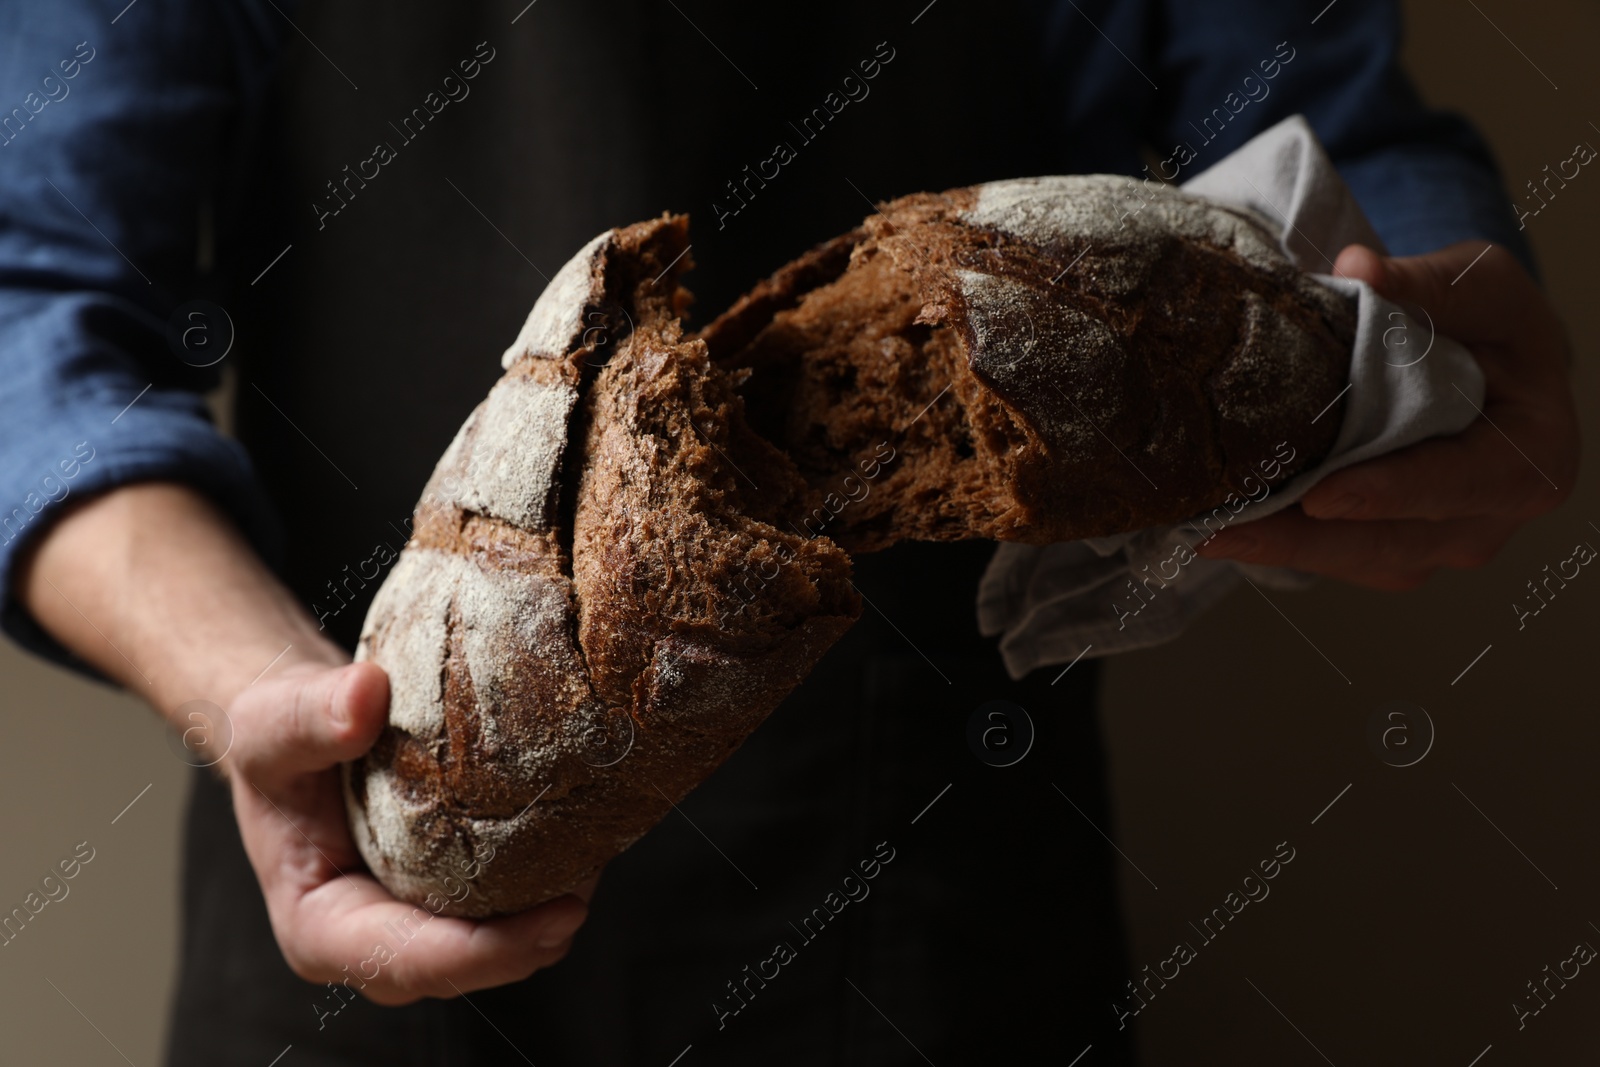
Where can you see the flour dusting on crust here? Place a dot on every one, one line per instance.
(555, 325)
(1104, 208)
(407, 621)
(519, 435)
(1026, 342)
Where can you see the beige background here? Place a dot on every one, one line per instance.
(1405, 925)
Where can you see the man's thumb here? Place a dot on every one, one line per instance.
(1470, 290)
(313, 721)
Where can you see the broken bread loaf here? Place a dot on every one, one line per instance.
(635, 546)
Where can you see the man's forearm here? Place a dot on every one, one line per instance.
(153, 586)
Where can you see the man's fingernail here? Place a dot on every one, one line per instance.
(339, 710)
(1340, 506)
(559, 931)
(339, 713)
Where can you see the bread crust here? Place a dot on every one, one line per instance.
(635, 546)
(1058, 363)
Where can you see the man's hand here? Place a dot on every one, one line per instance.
(290, 733)
(1454, 501)
(155, 588)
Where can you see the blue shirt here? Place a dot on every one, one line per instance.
(115, 122)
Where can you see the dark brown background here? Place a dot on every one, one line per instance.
(1406, 924)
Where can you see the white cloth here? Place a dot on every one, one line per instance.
(1053, 604)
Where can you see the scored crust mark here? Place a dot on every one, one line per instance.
(630, 528)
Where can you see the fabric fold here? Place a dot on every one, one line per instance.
(1053, 604)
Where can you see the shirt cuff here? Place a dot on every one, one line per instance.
(1421, 199)
(164, 436)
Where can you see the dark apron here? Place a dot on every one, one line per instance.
(993, 934)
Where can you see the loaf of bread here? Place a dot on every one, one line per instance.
(636, 545)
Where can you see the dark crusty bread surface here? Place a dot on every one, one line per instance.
(1052, 361)
(615, 576)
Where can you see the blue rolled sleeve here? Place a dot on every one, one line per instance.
(1425, 178)
(112, 136)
